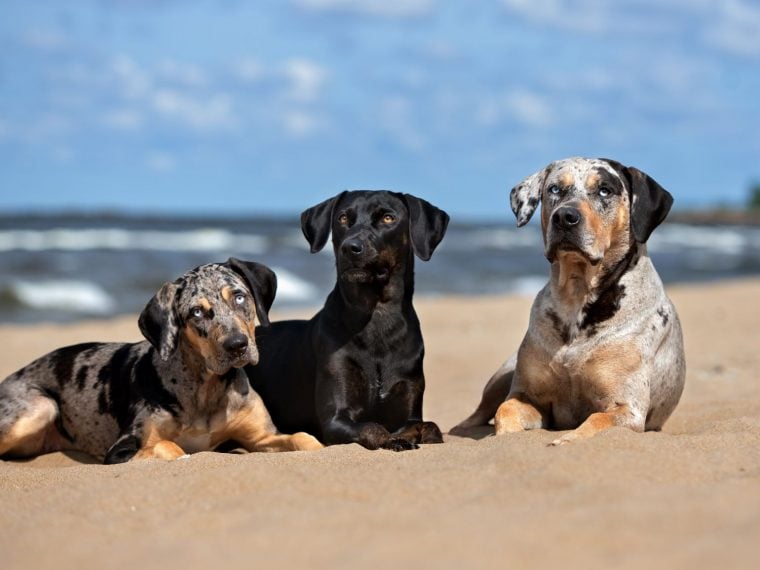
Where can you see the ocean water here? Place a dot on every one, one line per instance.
(64, 268)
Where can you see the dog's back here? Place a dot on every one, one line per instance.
(285, 375)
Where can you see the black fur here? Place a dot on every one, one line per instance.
(353, 373)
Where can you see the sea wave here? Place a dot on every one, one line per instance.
(67, 296)
(293, 289)
(202, 239)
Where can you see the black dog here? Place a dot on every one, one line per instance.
(353, 373)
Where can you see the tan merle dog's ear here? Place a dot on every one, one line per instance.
(316, 222)
(261, 281)
(427, 225)
(159, 322)
(525, 197)
(650, 202)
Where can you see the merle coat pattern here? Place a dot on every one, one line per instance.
(183, 390)
(604, 346)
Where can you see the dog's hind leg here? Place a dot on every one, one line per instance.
(28, 422)
(494, 394)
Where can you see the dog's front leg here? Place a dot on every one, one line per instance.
(367, 434)
(621, 415)
(130, 446)
(517, 414)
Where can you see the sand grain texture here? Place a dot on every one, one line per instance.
(688, 497)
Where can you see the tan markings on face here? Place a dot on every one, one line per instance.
(204, 304)
(227, 293)
(595, 226)
(592, 181)
(566, 180)
(203, 346)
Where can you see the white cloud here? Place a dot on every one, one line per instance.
(123, 119)
(249, 69)
(135, 82)
(161, 161)
(399, 9)
(214, 111)
(736, 28)
(396, 118)
(300, 124)
(182, 73)
(305, 77)
(44, 40)
(524, 106)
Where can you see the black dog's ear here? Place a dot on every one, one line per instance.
(159, 322)
(650, 202)
(316, 222)
(261, 281)
(427, 225)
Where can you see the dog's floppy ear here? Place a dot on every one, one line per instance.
(650, 202)
(159, 322)
(427, 225)
(316, 222)
(524, 197)
(262, 283)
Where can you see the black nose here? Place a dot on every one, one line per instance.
(235, 342)
(566, 217)
(352, 246)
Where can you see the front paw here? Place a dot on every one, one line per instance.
(430, 433)
(303, 441)
(398, 444)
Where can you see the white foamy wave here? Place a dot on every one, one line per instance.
(207, 239)
(675, 237)
(291, 288)
(529, 285)
(63, 295)
(496, 238)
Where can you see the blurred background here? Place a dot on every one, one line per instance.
(141, 138)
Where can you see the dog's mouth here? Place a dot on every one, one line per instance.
(228, 361)
(567, 245)
(366, 275)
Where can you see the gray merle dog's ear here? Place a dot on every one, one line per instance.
(650, 202)
(316, 222)
(525, 197)
(261, 281)
(159, 322)
(427, 225)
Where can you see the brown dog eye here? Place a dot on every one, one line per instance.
(343, 219)
(389, 219)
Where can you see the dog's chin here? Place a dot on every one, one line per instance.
(365, 275)
(566, 248)
(222, 366)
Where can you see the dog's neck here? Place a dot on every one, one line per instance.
(577, 284)
(357, 302)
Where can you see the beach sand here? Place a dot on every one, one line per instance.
(688, 497)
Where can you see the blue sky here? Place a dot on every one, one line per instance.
(272, 106)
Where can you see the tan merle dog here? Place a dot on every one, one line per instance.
(182, 391)
(604, 347)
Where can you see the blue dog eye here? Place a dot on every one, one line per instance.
(604, 192)
(197, 312)
(239, 299)
(554, 189)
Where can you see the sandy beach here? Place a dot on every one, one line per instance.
(688, 497)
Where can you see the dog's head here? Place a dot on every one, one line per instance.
(213, 311)
(596, 208)
(373, 231)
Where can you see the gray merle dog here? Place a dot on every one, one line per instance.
(181, 391)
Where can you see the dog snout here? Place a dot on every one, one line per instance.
(566, 217)
(236, 342)
(352, 246)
